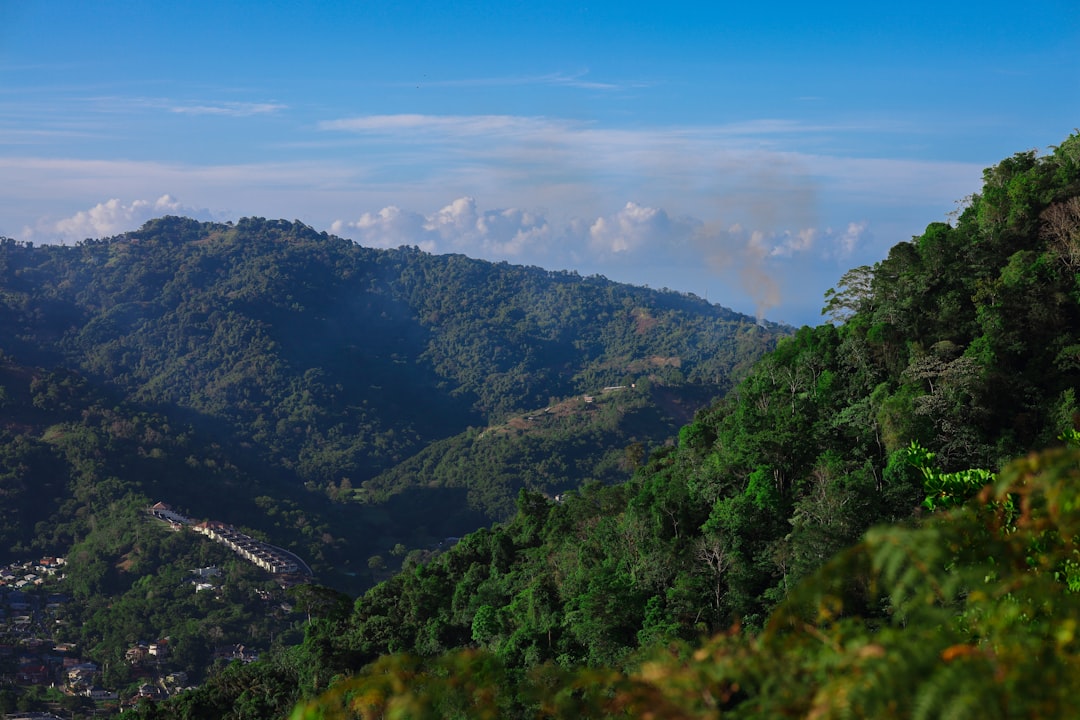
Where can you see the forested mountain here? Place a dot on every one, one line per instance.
(299, 386)
(322, 363)
(963, 340)
(955, 354)
(321, 353)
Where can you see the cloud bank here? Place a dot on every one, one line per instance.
(746, 207)
(110, 218)
(457, 227)
(633, 236)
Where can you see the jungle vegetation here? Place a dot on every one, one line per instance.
(879, 521)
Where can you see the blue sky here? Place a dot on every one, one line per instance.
(745, 152)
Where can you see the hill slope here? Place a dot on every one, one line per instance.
(264, 375)
(587, 438)
(303, 360)
(337, 360)
(963, 341)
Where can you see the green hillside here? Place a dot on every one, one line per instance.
(955, 353)
(337, 361)
(601, 437)
(275, 378)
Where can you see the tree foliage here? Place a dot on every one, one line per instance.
(963, 615)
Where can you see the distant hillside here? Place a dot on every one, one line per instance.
(303, 360)
(353, 406)
(600, 437)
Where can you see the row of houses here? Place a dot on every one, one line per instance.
(265, 556)
(273, 560)
(57, 666)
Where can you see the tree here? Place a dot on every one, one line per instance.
(317, 601)
(485, 624)
(853, 294)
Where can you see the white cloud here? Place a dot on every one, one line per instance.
(635, 227)
(574, 80)
(456, 220)
(792, 243)
(457, 227)
(229, 109)
(463, 125)
(513, 231)
(850, 239)
(839, 245)
(388, 228)
(111, 218)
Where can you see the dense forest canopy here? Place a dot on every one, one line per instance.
(320, 352)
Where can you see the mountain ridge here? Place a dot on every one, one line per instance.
(309, 360)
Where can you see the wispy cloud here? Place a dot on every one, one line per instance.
(734, 168)
(42, 136)
(595, 142)
(229, 109)
(125, 104)
(73, 172)
(579, 79)
(448, 125)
